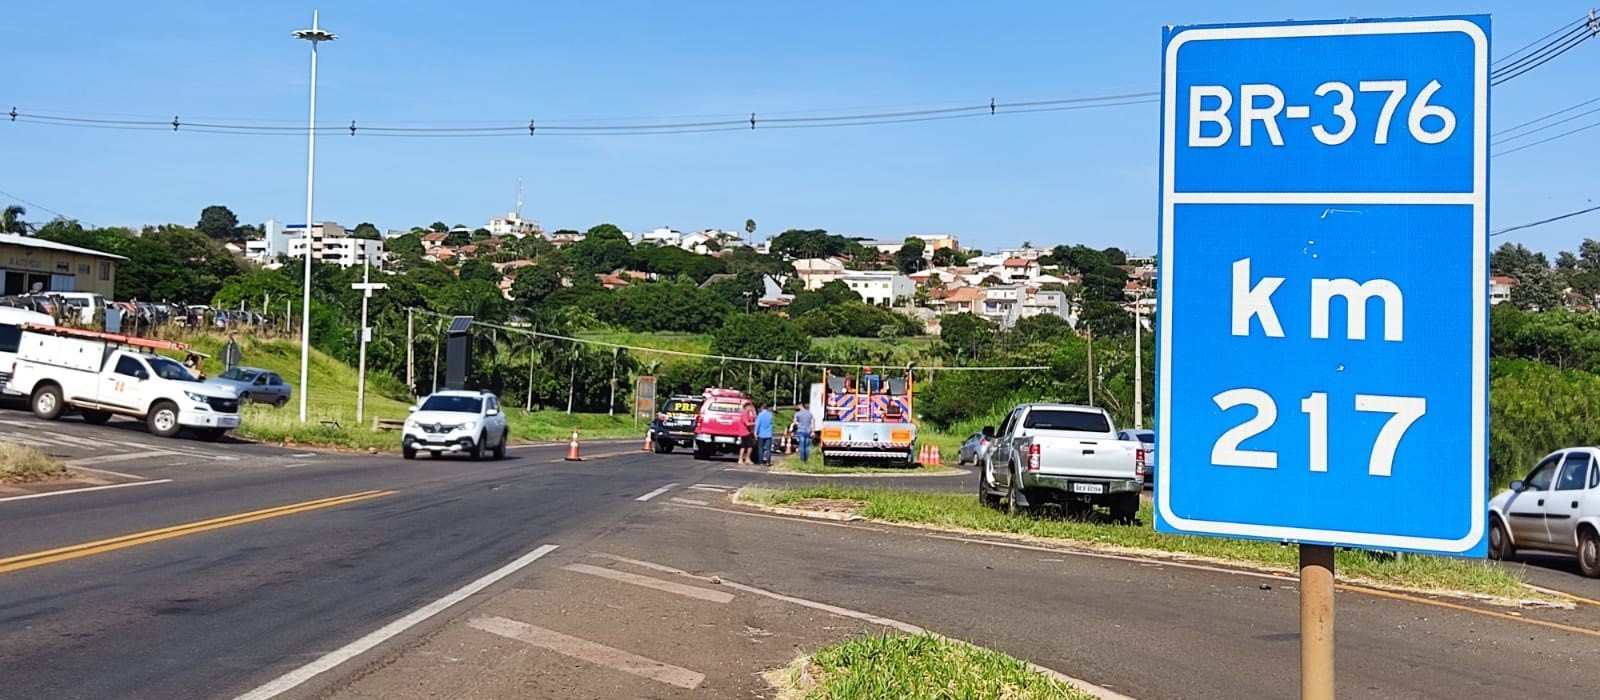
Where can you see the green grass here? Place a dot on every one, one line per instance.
(963, 512)
(792, 463)
(915, 667)
(20, 463)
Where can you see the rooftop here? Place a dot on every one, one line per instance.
(41, 244)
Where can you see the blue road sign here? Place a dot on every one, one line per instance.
(1323, 309)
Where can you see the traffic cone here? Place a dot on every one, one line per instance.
(934, 451)
(647, 441)
(922, 454)
(572, 448)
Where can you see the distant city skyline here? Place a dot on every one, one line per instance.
(1085, 176)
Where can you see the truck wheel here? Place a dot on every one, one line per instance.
(47, 402)
(1125, 508)
(987, 499)
(163, 419)
(1014, 496)
(93, 417)
(665, 447)
(701, 452)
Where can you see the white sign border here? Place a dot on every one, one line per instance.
(1478, 198)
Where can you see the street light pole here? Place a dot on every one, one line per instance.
(314, 35)
(1138, 360)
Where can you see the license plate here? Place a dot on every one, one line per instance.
(724, 438)
(435, 438)
(228, 422)
(1088, 488)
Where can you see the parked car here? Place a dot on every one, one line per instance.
(720, 428)
(973, 449)
(255, 385)
(1147, 439)
(1062, 453)
(674, 425)
(1555, 509)
(456, 422)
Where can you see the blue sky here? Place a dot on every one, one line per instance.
(1056, 177)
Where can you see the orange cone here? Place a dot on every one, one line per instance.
(922, 454)
(934, 451)
(647, 441)
(572, 448)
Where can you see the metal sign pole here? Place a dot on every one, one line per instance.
(1316, 622)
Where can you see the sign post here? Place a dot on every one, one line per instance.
(1324, 204)
(644, 404)
(366, 286)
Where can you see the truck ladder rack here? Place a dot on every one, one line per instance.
(118, 338)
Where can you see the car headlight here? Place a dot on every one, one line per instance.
(469, 426)
(197, 398)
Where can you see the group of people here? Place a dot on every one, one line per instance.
(758, 422)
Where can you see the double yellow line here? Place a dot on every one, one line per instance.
(51, 556)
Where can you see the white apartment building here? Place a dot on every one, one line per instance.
(331, 244)
(274, 242)
(662, 237)
(512, 225)
(816, 272)
(1001, 304)
(880, 288)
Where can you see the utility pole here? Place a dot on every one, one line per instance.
(1089, 333)
(411, 352)
(1138, 361)
(611, 406)
(436, 339)
(315, 35)
(532, 343)
(366, 287)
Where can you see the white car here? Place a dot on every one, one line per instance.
(1555, 509)
(456, 422)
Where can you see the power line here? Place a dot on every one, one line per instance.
(35, 205)
(1542, 222)
(1561, 135)
(641, 127)
(1549, 52)
(1556, 113)
(1530, 44)
(707, 356)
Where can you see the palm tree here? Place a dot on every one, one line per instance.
(11, 220)
(750, 227)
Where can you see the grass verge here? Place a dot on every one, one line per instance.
(21, 463)
(962, 512)
(914, 667)
(792, 464)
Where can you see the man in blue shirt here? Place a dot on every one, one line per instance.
(803, 424)
(764, 435)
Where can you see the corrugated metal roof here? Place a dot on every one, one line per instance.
(39, 243)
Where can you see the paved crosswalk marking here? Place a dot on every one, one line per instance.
(647, 582)
(591, 652)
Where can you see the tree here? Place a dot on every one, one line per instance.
(217, 222)
(479, 234)
(832, 294)
(750, 227)
(1514, 259)
(479, 270)
(760, 336)
(740, 291)
(11, 220)
(408, 244)
(1115, 256)
(967, 335)
(366, 230)
(439, 227)
(909, 258)
(603, 249)
(534, 284)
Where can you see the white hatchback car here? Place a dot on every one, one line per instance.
(456, 422)
(1555, 509)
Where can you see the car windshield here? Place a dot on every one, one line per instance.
(167, 369)
(725, 407)
(242, 375)
(1145, 435)
(453, 404)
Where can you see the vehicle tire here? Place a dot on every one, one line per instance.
(408, 452)
(433, 453)
(500, 449)
(163, 419)
(1014, 496)
(476, 453)
(47, 403)
(985, 497)
(665, 447)
(1589, 552)
(93, 417)
(244, 398)
(1125, 508)
(210, 434)
(1500, 547)
(701, 453)
(281, 402)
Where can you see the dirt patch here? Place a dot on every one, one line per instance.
(828, 505)
(20, 464)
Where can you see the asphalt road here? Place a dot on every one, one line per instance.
(219, 609)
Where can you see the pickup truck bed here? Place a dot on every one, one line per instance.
(1064, 454)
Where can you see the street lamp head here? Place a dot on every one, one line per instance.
(314, 35)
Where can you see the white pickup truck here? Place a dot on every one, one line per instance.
(1062, 453)
(102, 374)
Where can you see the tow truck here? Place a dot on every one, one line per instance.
(104, 374)
(866, 418)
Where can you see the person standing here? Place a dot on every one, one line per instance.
(801, 427)
(764, 435)
(747, 441)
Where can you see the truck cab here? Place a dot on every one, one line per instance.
(107, 374)
(720, 427)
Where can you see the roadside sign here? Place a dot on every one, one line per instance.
(1323, 303)
(644, 407)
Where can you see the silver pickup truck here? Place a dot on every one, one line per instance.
(1062, 453)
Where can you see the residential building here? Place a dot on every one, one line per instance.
(1041, 303)
(29, 264)
(938, 241)
(1500, 287)
(1019, 269)
(1028, 252)
(885, 247)
(662, 237)
(1001, 304)
(963, 300)
(331, 244)
(816, 272)
(273, 243)
(512, 225)
(880, 288)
